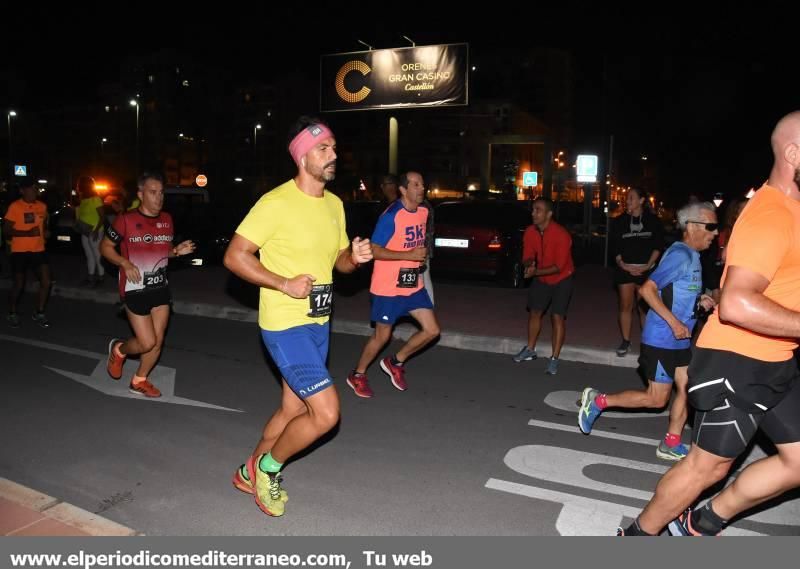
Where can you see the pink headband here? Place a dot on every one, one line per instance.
(307, 139)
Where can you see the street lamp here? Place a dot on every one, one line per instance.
(255, 150)
(255, 139)
(10, 153)
(135, 103)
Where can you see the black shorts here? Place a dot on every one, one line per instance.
(142, 302)
(658, 364)
(624, 277)
(751, 385)
(21, 262)
(557, 296)
(727, 430)
(735, 396)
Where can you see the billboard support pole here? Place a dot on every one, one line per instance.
(394, 131)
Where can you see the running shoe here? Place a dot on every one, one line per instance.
(676, 453)
(244, 485)
(396, 373)
(358, 382)
(40, 319)
(589, 411)
(144, 388)
(115, 363)
(267, 488)
(682, 526)
(526, 354)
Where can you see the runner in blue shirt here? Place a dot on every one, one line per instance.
(674, 292)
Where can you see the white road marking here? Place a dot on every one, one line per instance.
(162, 376)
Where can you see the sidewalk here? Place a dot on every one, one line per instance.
(476, 316)
(25, 512)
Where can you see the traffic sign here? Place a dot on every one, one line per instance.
(587, 168)
(530, 179)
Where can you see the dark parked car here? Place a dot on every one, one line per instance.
(194, 217)
(481, 238)
(362, 216)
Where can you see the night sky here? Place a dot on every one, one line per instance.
(697, 94)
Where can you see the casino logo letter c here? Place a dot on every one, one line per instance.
(341, 90)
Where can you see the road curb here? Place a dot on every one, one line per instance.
(63, 512)
(457, 340)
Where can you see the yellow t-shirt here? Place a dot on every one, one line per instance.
(87, 211)
(296, 234)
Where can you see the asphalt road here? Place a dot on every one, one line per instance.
(478, 445)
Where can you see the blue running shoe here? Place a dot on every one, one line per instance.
(526, 354)
(589, 411)
(676, 453)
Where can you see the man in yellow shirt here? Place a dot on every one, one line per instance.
(25, 223)
(298, 229)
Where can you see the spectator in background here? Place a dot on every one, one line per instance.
(90, 223)
(26, 223)
(551, 268)
(732, 213)
(389, 188)
(637, 238)
(713, 259)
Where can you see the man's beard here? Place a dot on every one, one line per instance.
(323, 175)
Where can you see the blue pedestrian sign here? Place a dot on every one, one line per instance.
(530, 179)
(20, 170)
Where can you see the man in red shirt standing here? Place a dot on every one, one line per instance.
(547, 256)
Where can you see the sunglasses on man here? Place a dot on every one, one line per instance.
(708, 226)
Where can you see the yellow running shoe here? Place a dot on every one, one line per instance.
(244, 485)
(267, 488)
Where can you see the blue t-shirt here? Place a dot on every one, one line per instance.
(679, 281)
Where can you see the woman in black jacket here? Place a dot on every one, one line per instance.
(638, 240)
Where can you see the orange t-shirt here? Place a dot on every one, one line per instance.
(766, 240)
(398, 229)
(26, 216)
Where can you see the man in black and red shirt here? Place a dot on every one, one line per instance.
(145, 238)
(547, 256)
